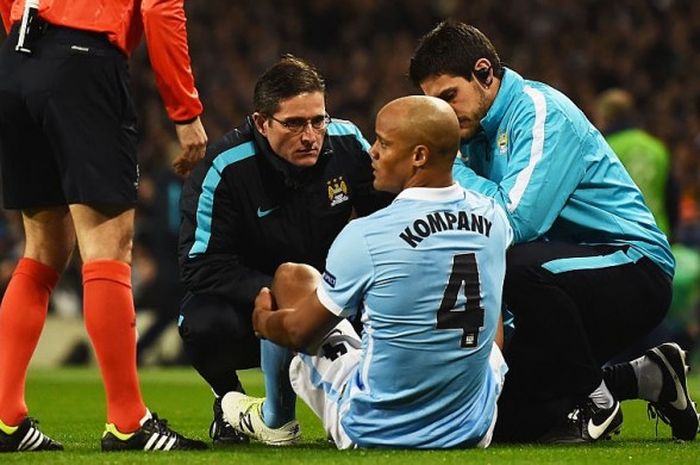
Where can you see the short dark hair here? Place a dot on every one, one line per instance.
(288, 77)
(452, 48)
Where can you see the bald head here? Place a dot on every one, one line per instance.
(423, 120)
(417, 140)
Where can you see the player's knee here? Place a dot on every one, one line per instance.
(105, 232)
(293, 281)
(294, 272)
(49, 236)
(115, 248)
(56, 256)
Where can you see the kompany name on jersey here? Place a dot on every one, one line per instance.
(444, 221)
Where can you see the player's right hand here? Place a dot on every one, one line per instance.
(193, 140)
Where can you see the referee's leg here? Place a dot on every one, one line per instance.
(49, 241)
(105, 240)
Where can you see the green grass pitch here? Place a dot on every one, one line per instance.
(70, 406)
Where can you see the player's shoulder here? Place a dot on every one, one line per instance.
(359, 226)
(377, 221)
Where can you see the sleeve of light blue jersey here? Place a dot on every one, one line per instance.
(505, 226)
(467, 178)
(546, 164)
(348, 272)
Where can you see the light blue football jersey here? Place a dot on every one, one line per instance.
(556, 176)
(427, 273)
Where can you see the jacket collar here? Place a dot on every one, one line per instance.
(512, 84)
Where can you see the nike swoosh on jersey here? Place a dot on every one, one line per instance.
(262, 213)
(596, 431)
(680, 403)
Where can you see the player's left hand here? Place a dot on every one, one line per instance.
(193, 140)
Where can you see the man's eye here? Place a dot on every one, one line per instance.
(294, 123)
(318, 120)
(448, 96)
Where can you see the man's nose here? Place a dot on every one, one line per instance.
(308, 133)
(373, 151)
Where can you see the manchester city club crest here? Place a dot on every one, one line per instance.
(337, 191)
(503, 143)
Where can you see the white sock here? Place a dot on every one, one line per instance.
(649, 378)
(602, 396)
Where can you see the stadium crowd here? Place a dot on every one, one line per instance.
(363, 47)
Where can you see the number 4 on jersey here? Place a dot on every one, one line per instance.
(470, 319)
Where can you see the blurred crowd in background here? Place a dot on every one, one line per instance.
(362, 47)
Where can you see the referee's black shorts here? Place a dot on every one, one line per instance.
(67, 122)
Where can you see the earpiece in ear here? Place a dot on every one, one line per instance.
(483, 75)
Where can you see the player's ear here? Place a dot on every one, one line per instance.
(420, 155)
(483, 72)
(260, 123)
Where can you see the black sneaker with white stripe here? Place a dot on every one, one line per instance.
(27, 437)
(674, 406)
(221, 432)
(585, 424)
(154, 434)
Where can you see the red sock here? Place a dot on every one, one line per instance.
(22, 316)
(110, 319)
